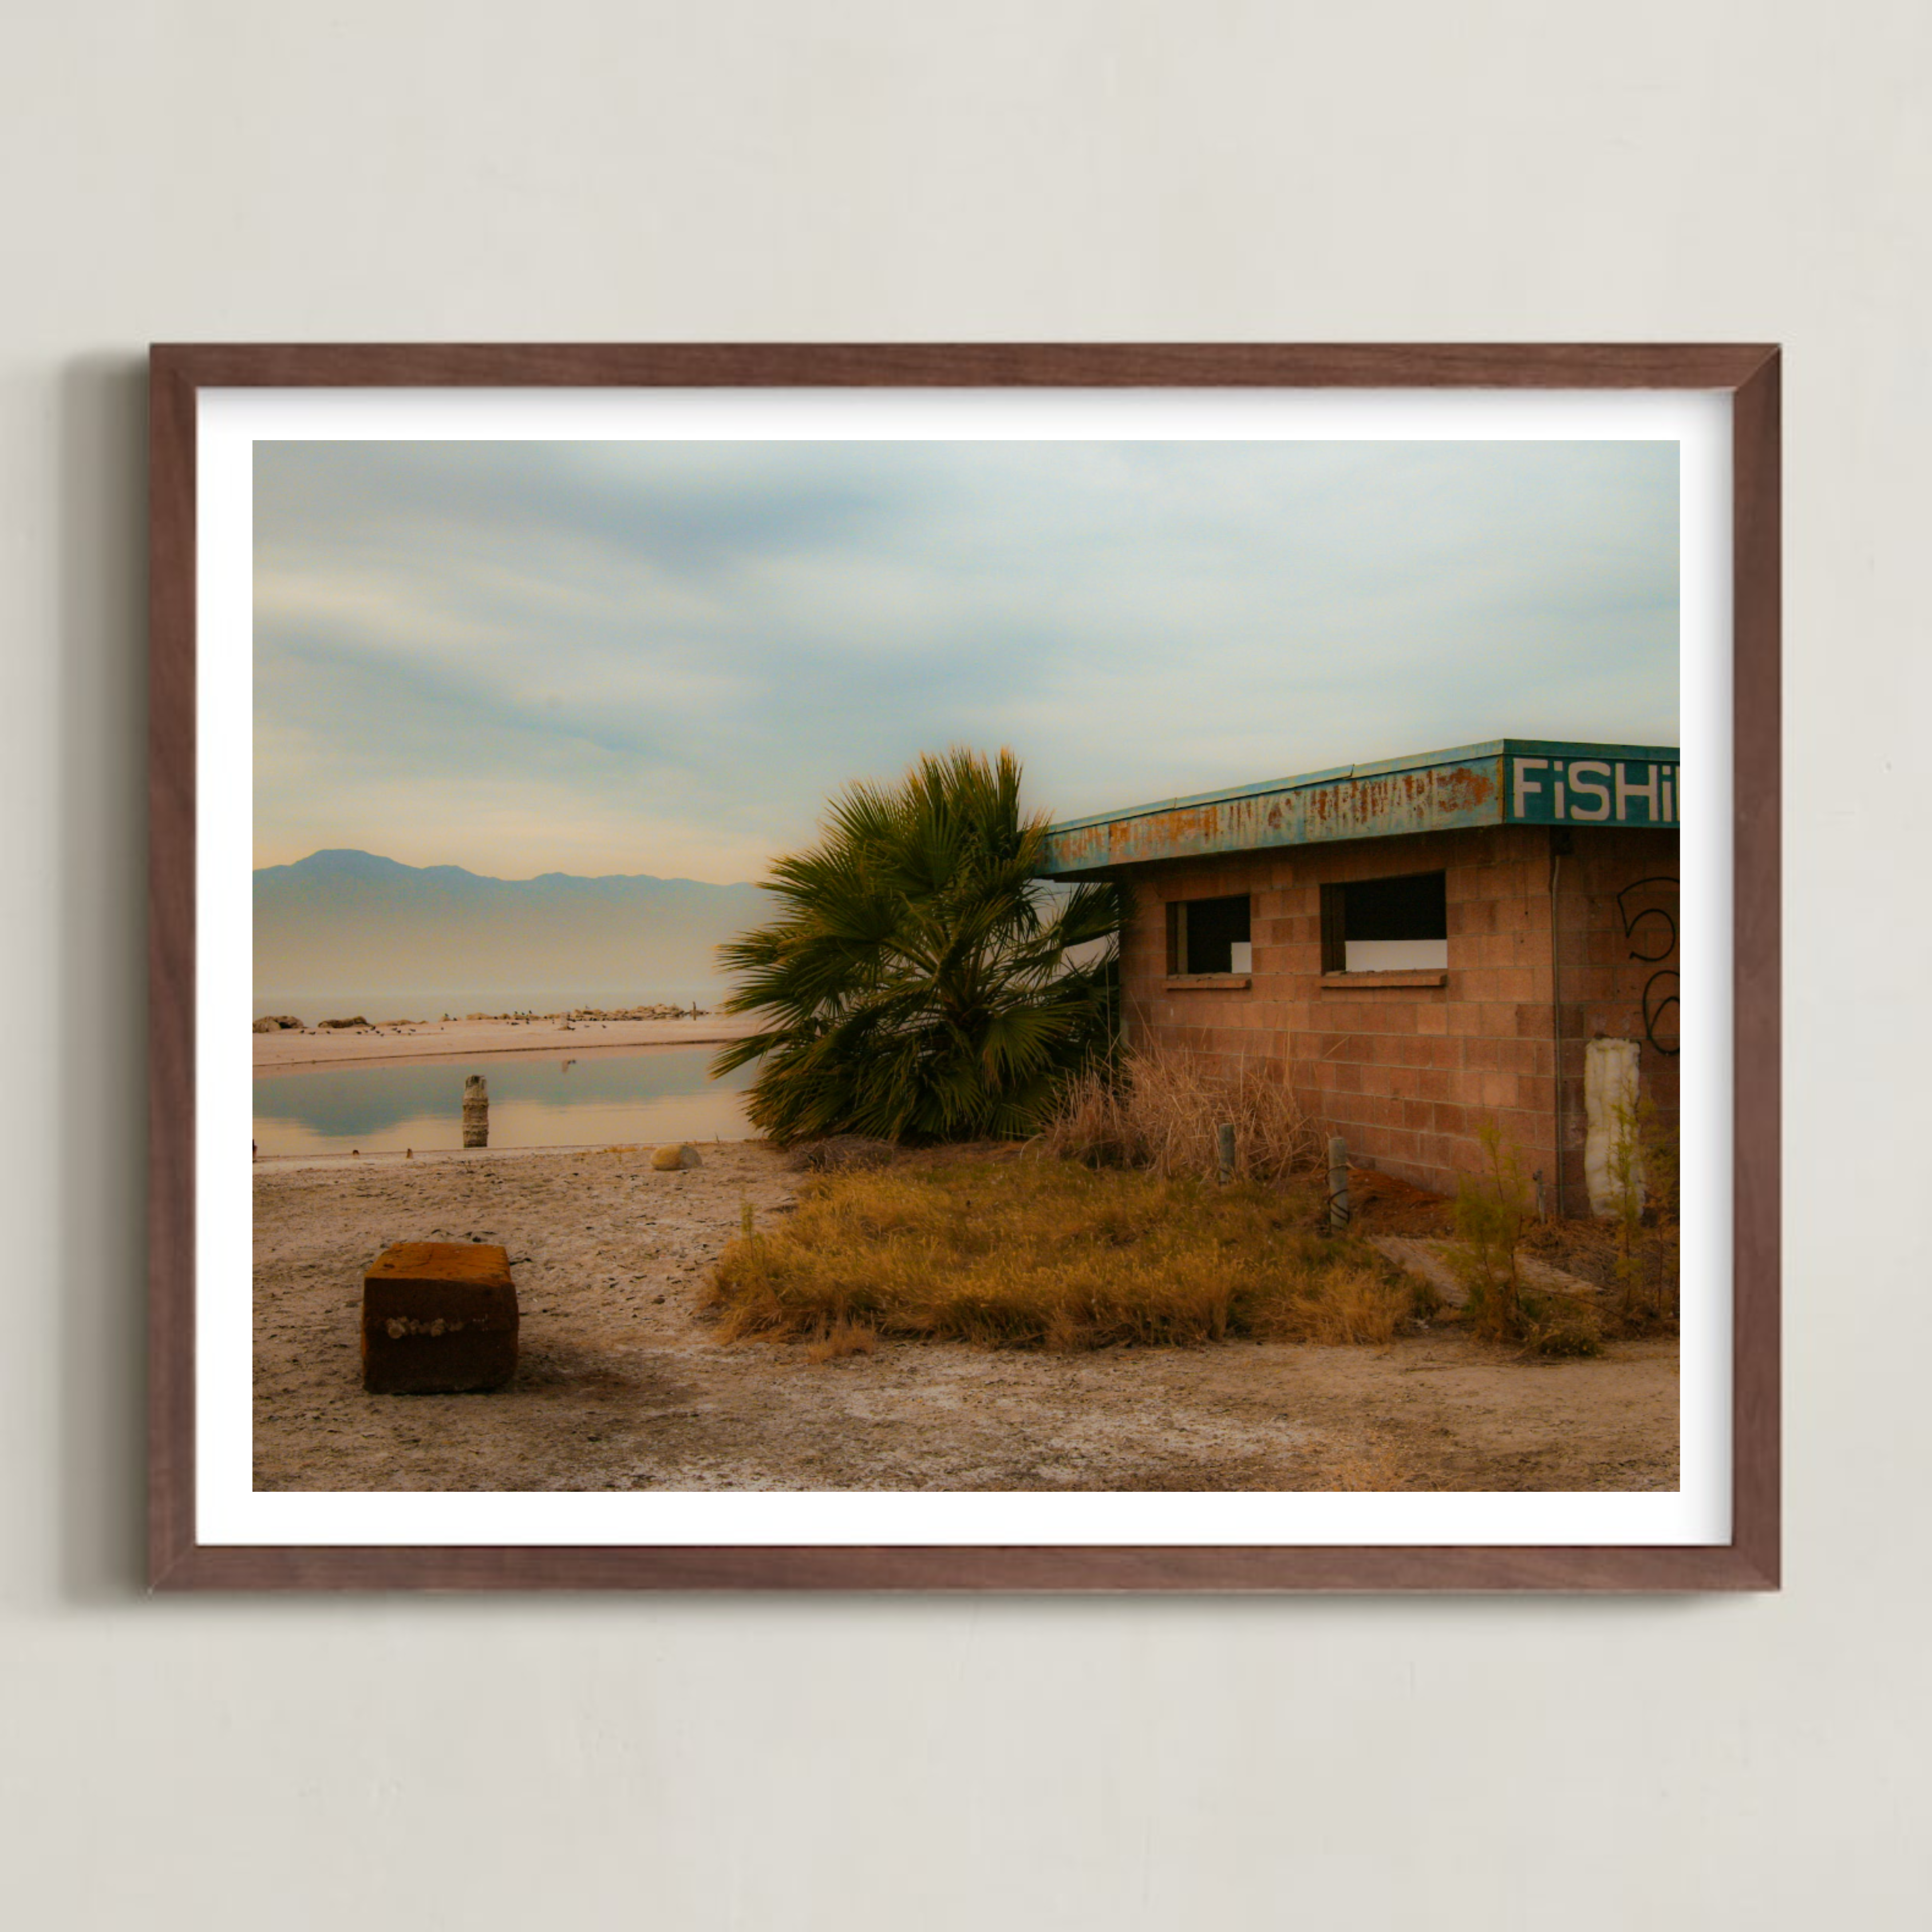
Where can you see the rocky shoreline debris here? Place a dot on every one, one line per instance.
(573, 1017)
(663, 1010)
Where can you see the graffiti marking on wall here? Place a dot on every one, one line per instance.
(1651, 931)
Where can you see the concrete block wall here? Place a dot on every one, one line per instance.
(1617, 929)
(1409, 1072)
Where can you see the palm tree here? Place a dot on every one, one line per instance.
(918, 984)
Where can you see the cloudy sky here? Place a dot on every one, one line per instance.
(663, 657)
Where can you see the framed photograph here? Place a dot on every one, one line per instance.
(999, 967)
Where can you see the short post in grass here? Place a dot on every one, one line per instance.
(475, 1111)
(1338, 1181)
(1224, 1136)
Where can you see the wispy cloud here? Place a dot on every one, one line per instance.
(664, 658)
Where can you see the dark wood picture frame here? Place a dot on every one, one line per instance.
(1748, 374)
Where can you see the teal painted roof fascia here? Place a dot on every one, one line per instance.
(1464, 789)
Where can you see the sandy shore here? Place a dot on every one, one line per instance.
(439, 1039)
(622, 1384)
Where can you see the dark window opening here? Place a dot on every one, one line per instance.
(1209, 936)
(1386, 926)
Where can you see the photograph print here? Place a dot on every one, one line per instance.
(1132, 966)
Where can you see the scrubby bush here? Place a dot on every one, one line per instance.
(1644, 1180)
(1050, 1254)
(1494, 1209)
(1160, 1110)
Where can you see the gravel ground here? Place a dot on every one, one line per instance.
(621, 1385)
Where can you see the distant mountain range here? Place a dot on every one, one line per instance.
(348, 926)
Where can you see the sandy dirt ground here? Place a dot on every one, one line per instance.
(621, 1384)
(436, 1040)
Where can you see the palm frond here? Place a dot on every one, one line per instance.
(917, 983)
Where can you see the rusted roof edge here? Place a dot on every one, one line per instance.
(1415, 761)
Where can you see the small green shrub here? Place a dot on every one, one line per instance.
(1644, 1180)
(1494, 1209)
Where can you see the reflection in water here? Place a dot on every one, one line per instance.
(647, 1094)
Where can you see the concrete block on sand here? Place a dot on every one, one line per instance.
(438, 1318)
(682, 1155)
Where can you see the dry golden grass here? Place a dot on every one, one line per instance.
(843, 1338)
(1051, 1254)
(1161, 1111)
(1374, 1465)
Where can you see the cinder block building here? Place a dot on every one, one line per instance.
(1414, 945)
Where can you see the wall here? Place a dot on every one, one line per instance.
(1674, 168)
(1408, 1074)
(1616, 942)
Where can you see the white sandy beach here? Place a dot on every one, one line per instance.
(440, 1039)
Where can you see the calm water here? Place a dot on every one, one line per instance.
(646, 1094)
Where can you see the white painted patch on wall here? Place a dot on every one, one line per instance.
(1609, 1115)
(1394, 956)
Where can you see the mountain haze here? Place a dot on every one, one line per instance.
(350, 929)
